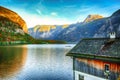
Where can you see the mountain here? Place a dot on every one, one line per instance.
(14, 17)
(93, 26)
(117, 13)
(12, 31)
(92, 17)
(47, 32)
(50, 32)
(99, 28)
(112, 24)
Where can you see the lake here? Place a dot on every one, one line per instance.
(36, 62)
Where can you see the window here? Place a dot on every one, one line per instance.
(107, 71)
(81, 77)
(107, 67)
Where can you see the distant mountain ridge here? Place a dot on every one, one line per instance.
(11, 15)
(93, 26)
(47, 28)
(99, 28)
(48, 32)
(92, 17)
(52, 31)
(117, 13)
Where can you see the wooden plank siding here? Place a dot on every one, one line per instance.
(97, 67)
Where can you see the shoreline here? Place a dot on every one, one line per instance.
(7, 43)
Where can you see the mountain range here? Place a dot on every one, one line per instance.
(52, 32)
(13, 28)
(47, 32)
(94, 26)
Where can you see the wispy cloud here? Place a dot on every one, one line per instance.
(54, 14)
(39, 12)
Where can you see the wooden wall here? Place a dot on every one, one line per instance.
(96, 67)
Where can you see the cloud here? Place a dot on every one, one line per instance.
(54, 14)
(39, 12)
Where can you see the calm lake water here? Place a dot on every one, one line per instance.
(36, 62)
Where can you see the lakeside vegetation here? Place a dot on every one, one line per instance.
(5, 43)
(11, 33)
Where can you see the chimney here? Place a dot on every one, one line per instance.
(112, 35)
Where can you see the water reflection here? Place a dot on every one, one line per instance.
(48, 62)
(35, 62)
(11, 60)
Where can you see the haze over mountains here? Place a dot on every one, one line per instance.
(93, 26)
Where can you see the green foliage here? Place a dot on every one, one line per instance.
(9, 35)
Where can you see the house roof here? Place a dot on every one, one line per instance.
(97, 48)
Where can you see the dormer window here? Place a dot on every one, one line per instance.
(112, 35)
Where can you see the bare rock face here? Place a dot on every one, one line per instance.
(46, 31)
(92, 17)
(48, 28)
(14, 17)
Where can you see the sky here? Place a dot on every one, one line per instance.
(58, 12)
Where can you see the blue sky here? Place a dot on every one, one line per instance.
(59, 11)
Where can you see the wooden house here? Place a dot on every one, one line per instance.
(96, 59)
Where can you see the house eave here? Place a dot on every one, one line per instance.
(96, 57)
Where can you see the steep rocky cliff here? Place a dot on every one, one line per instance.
(12, 28)
(14, 17)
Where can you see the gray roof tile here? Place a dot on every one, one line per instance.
(97, 47)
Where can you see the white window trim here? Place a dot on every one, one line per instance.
(86, 76)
